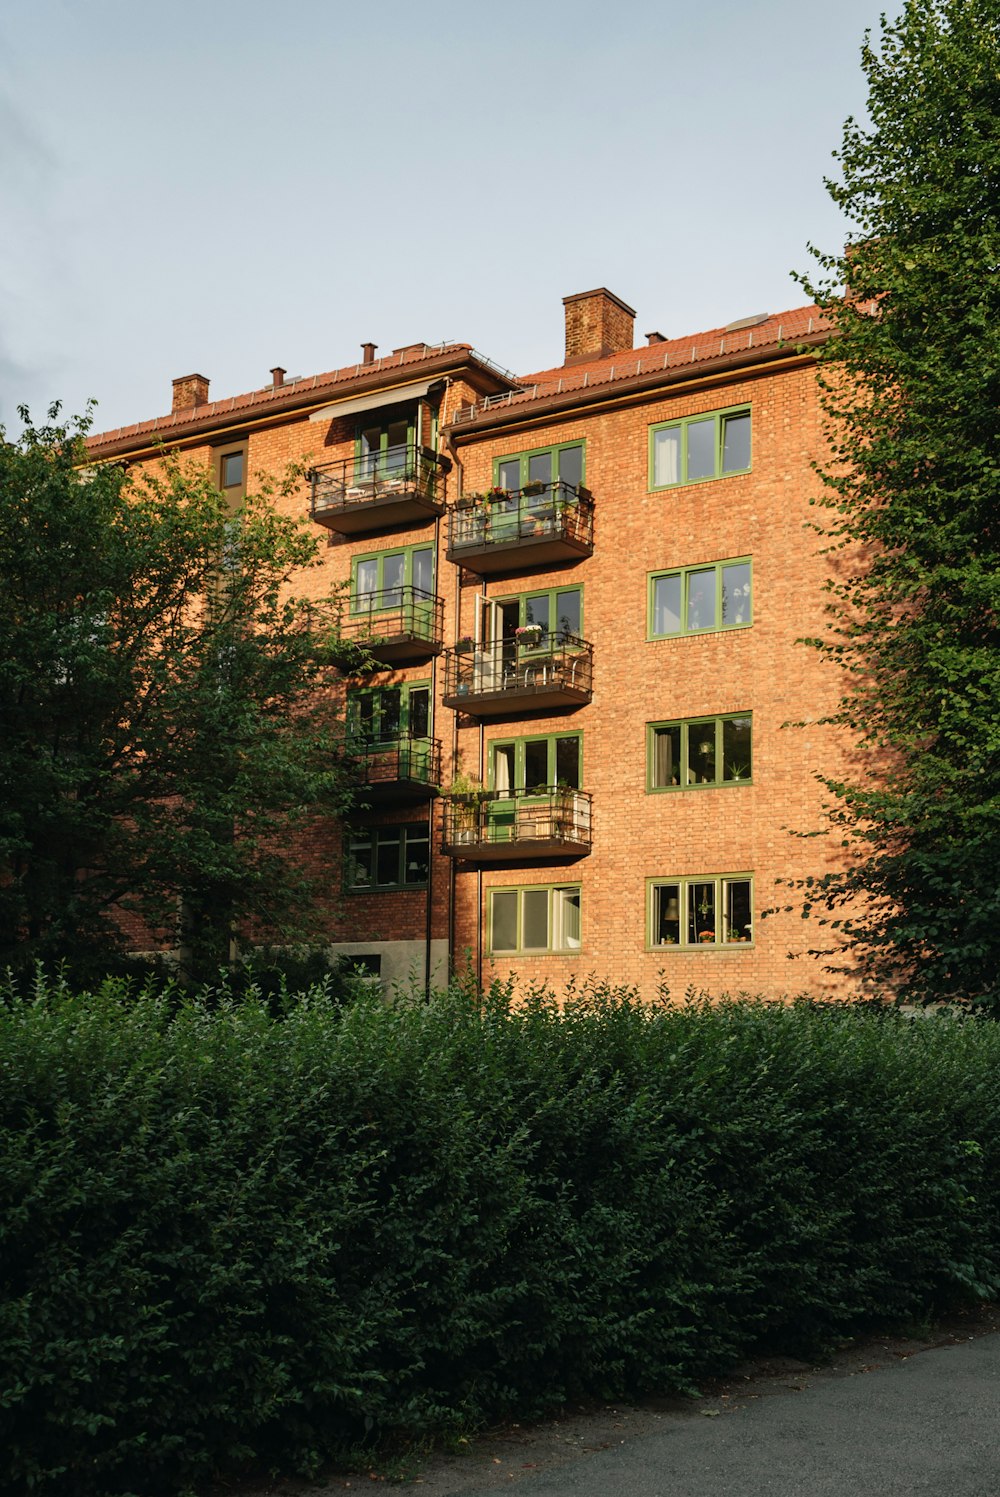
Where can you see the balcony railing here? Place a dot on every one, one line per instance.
(492, 826)
(510, 679)
(506, 530)
(399, 767)
(400, 486)
(395, 623)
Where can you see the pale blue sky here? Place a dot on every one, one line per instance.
(227, 185)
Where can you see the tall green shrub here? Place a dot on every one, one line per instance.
(231, 1238)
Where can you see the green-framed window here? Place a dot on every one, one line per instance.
(388, 857)
(695, 600)
(536, 762)
(714, 444)
(700, 913)
(563, 463)
(536, 918)
(377, 580)
(379, 716)
(556, 611)
(699, 752)
(382, 447)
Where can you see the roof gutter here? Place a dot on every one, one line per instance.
(636, 387)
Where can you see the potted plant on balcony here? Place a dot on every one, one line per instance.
(465, 645)
(528, 636)
(466, 796)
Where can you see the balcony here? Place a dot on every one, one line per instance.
(512, 680)
(521, 529)
(379, 491)
(496, 826)
(396, 625)
(401, 769)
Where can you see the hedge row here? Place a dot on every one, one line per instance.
(230, 1238)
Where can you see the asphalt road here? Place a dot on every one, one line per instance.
(926, 1423)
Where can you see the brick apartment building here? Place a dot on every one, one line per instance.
(585, 589)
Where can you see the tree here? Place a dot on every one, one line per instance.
(911, 385)
(168, 720)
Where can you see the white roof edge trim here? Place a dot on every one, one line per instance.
(394, 396)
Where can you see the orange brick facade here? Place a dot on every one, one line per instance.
(638, 840)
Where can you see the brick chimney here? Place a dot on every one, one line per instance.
(190, 390)
(597, 323)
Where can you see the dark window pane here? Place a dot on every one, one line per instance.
(360, 863)
(736, 443)
(232, 470)
(701, 914)
(392, 580)
(415, 857)
(701, 600)
(736, 596)
(420, 712)
(667, 756)
(666, 915)
(568, 761)
(737, 910)
(568, 612)
(667, 605)
(701, 449)
(504, 924)
(540, 468)
(701, 754)
(535, 920)
(387, 861)
(571, 466)
(423, 569)
(536, 611)
(536, 763)
(736, 737)
(389, 707)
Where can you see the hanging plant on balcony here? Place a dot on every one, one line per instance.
(528, 635)
(465, 645)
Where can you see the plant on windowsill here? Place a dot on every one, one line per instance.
(737, 771)
(706, 935)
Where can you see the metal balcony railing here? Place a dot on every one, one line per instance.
(508, 677)
(379, 488)
(395, 623)
(398, 764)
(554, 520)
(490, 825)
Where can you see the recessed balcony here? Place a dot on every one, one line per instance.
(512, 530)
(400, 769)
(396, 625)
(547, 823)
(515, 680)
(378, 491)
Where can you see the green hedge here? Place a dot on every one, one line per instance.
(227, 1237)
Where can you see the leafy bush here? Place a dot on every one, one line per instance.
(228, 1239)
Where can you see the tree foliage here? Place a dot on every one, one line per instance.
(911, 385)
(167, 705)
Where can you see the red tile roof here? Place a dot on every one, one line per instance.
(774, 332)
(310, 390)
